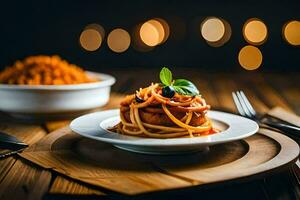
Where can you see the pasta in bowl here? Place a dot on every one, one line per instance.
(47, 87)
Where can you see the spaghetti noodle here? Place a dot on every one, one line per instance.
(149, 114)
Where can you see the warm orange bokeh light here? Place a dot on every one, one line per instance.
(255, 31)
(291, 32)
(154, 32)
(91, 37)
(137, 42)
(149, 34)
(250, 57)
(215, 31)
(118, 40)
(90, 40)
(160, 29)
(212, 29)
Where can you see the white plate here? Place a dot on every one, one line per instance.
(49, 100)
(233, 128)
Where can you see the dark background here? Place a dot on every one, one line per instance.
(53, 27)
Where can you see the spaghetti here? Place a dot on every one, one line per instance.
(149, 114)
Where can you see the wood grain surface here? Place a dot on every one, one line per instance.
(264, 90)
(18, 179)
(95, 162)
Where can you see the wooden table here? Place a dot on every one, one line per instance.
(20, 179)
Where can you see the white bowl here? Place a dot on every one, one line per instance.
(47, 100)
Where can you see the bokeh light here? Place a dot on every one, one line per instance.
(212, 29)
(215, 31)
(255, 31)
(118, 40)
(250, 57)
(154, 32)
(291, 32)
(149, 34)
(137, 42)
(91, 37)
(159, 28)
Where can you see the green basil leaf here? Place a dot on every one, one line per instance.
(183, 91)
(185, 87)
(179, 90)
(165, 76)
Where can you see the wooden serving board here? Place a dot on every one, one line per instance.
(103, 165)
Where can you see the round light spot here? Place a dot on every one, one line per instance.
(250, 57)
(291, 32)
(255, 31)
(118, 40)
(137, 42)
(159, 28)
(215, 31)
(149, 34)
(154, 32)
(90, 39)
(212, 29)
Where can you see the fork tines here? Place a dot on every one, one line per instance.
(243, 105)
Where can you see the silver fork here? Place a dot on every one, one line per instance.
(245, 109)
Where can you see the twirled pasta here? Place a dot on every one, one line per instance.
(149, 114)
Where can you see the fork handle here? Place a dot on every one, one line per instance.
(285, 128)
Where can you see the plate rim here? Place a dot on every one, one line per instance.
(162, 142)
